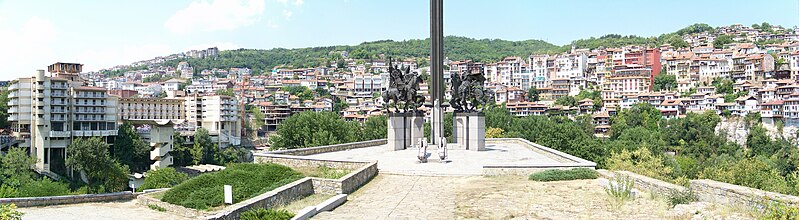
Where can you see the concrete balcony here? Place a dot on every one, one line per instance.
(58, 118)
(13, 110)
(159, 151)
(60, 134)
(164, 162)
(58, 94)
(58, 86)
(13, 117)
(12, 94)
(13, 87)
(39, 87)
(54, 102)
(39, 95)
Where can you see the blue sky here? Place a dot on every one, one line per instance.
(100, 34)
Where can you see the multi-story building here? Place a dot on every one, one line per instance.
(151, 109)
(47, 112)
(218, 114)
(523, 109)
(627, 80)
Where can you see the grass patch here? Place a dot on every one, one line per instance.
(323, 172)
(298, 205)
(156, 208)
(266, 214)
(677, 197)
(560, 175)
(158, 195)
(620, 189)
(248, 180)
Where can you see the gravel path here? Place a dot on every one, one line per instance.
(123, 210)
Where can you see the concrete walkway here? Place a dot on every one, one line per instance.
(459, 162)
(123, 210)
(401, 197)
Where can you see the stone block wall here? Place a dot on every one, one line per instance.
(145, 200)
(282, 195)
(644, 182)
(71, 199)
(299, 161)
(330, 148)
(358, 178)
(725, 193)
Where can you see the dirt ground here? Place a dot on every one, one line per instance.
(510, 197)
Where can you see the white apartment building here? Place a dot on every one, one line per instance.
(540, 71)
(217, 114)
(47, 112)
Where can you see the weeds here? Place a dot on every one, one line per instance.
(620, 188)
(156, 207)
(677, 197)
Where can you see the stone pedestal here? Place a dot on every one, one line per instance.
(416, 127)
(397, 138)
(468, 130)
(404, 130)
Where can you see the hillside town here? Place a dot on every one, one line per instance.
(240, 107)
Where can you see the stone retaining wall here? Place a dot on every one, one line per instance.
(644, 182)
(710, 191)
(725, 193)
(71, 199)
(329, 148)
(282, 195)
(145, 200)
(524, 170)
(358, 178)
(300, 161)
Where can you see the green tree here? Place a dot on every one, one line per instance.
(665, 82)
(375, 127)
(759, 143)
(90, 156)
(17, 167)
(641, 114)
(4, 107)
(163, 178)
(225, 92)
(566, 101)
(640, 161)
(722, 40)
(532, 94)
(130, 149)
(258, 117)
(204, 148)
(181, 153)
(310, 129)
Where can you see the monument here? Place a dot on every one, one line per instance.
(405, 122)
(468, 98)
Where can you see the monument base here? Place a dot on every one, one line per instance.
(468, 130)
(404, 130)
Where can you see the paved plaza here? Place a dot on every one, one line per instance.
(459, 162)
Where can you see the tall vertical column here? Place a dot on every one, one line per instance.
(436, 69)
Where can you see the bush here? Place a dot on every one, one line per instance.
(163, 178)
(9, 212)
(264, 214)
(248, 180)
(779, 210)
(43, 187)
(681, 197)
(156, 207)
(559, 175)
(7, 191)
(620, 188)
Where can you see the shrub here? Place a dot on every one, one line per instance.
(779, 210)
(620, 188)
(9, 212)
(328, 173)
(163, 178)
(681, 197)
(247, 180)
(7, 191)
(43, 187)
(264, 214)
(156, 208)
(559, 175)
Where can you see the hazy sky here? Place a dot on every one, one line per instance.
(101, 34)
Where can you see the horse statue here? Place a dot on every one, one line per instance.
(468, 92)
(403, 86)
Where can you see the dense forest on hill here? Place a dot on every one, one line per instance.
(455, 48)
